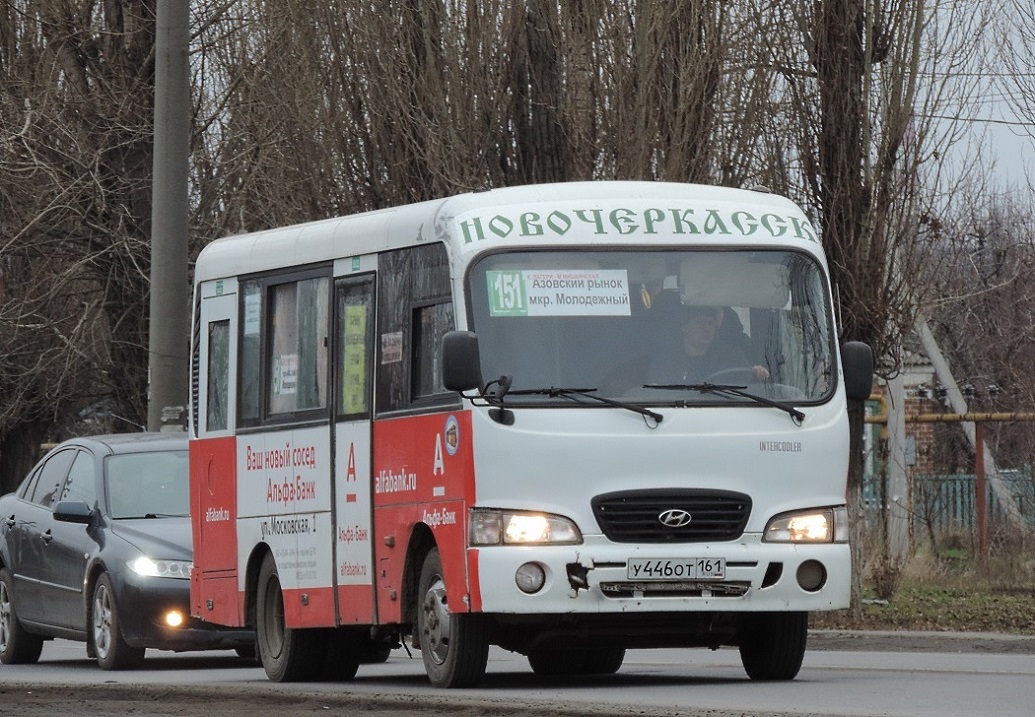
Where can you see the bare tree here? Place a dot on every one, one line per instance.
(327, 108)
(852, 132)
(986, 318)
(75, 160)
(1017, 42)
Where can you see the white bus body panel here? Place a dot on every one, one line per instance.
(555, 461)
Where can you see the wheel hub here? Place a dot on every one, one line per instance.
(435, 625)
(102, 622)
(5, 617)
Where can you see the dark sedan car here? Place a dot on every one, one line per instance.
(95, 545)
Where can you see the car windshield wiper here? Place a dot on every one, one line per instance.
(724, 389)
(574, 394)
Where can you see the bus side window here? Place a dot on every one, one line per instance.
(297, 363)
(248, 376)
(218, 390)
(430, 324)
(414, 309)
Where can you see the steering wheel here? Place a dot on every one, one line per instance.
(736, 375)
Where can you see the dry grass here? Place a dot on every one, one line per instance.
(949, 591)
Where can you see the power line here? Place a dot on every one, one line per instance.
(984, 120)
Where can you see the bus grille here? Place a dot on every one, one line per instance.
(672, 516)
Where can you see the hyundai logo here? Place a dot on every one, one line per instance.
(674, 518)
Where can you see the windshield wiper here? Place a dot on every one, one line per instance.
(723, 389)
(575, 393)
(152, 516)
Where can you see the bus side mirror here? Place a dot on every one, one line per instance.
(857, 360)
(461, 363)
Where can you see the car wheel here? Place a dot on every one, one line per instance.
(113, 653)
(772, 645)
(17, 647)
(287, 655)
(454, 646)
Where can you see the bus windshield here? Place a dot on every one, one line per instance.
(654, 327)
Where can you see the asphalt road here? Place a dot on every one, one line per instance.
(853, 674)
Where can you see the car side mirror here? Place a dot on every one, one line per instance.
(461, 362)
(857, 360)
(73, 511)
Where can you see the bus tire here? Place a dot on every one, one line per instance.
(342, 657)
(376, 654)
(576, 661)
(551, 663)
(453, 646)
(772, 645)
(287, 655)
(603, 661)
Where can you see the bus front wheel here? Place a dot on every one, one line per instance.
(453, 645)
(287, 655)
(772, 645)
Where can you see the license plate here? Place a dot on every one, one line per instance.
(677, 568)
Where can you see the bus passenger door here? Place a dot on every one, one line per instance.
(213, 463)
(353, 515)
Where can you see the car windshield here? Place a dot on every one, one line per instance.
(654, 327)
(144, 485)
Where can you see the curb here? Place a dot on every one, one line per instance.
(918, 641)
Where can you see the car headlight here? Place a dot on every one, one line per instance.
(496, 527)
(149, 568)
(819, 525)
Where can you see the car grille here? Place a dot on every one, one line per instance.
(635, 516)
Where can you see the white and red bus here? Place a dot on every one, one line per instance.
(473, 421)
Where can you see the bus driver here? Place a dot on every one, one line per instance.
(705, 350)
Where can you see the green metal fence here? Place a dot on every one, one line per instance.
(949, 502)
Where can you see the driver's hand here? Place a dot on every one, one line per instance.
(761, 373)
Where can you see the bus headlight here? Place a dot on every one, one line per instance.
(502, 527)
(820, 525)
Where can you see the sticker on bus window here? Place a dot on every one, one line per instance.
(354, 360)
(558, 292)
(285, 374)
(391, 347)
(252, 307)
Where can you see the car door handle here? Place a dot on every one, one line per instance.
(10, 522)
(46, 537)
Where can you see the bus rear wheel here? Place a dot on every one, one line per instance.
(772, 645)
(453, 646)
(287, 655)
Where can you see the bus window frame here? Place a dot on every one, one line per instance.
(266, 282)
(399, 295)
(439, 395)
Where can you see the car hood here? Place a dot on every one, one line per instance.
(159, 538)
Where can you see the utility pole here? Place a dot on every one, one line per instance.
(959, 405)
(169, 331)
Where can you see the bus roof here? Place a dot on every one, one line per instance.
(607, 212)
